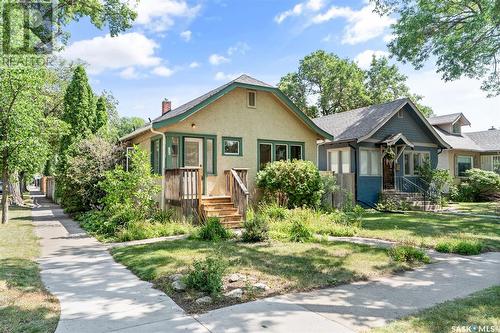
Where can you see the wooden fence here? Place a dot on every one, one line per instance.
(50, 188)
(346, 189)
(184, 188)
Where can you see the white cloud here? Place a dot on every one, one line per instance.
(240, 47)
(299, 9)
(129, 73)
(388, 38)
(194, 64)
(327, 38)
(217, 59)
(159, 15)
(186, 35)
(362, 25)
(162, 71)
(365, 58)
(110, 53)
(221, 76)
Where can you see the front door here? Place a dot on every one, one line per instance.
(388, 174)
(193, 158)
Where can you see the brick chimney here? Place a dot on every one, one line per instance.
(166, 106)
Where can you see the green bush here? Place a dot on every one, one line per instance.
(206, 275)
(460, 246)
(164, 216)
(293, 183)
(144, 229)
(408, 254)
(273, 211)
(256, 229)
(301, 229)
(480, 185)
(212, 230)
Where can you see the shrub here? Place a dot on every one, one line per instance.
(460, 246)
(480, 185)
(130, 194)
(206, 275)
(300, 229)
(212, 230)
(293, 183)
(97, 223)
(409, 254)
(163, 216)
(144, 229)
(390, 203)
(256, 229)
(273, 211)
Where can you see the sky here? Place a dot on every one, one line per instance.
(180, 49)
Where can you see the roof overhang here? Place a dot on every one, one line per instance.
(135, 133)
(419, 114)
(395, 138)
(275, 91)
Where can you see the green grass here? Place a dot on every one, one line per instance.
(25, 305)
(427, 229)
(481, 208)
(282, 266)
(479, 309)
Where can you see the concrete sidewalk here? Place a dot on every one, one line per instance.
(99, 295)
(96, 293)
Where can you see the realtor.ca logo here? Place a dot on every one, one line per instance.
(27, 27)
(473, 328)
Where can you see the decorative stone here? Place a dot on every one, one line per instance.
(175, 277)
(234, 277)
(261, 286)
(179, 285)
(235, 293)
(204, 300)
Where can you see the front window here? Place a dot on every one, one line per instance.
(265, 154)
(370, 162)
(273, 150)
(464, 163)
(210, 156)
(296, 152)
(496, 164)
(281, 152)
(340, 160)
(252, 99)
(156, 156)
(231, 146)
(415, 160)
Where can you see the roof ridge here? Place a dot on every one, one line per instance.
(361, 108)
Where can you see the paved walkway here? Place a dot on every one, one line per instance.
(99, 295)
(96, 293)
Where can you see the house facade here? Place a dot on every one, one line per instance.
(209, 150)
(467, 150)
(380, 147)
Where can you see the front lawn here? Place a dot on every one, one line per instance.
(423, 228)
(480, 208)
(477, 313)
(25, 305)
(283, 267)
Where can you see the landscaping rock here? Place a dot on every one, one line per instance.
(179, 285)
(235, 293)
(234, 278)
(175, 277)
(204, 300)
(261, 286)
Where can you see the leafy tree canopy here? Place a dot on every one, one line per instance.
(338, 85)
(462, 36)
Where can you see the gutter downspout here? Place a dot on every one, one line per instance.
(163, 147)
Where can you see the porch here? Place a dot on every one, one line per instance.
(183, 189)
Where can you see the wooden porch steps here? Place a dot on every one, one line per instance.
(223, 208)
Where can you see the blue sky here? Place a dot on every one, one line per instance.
(180, 49)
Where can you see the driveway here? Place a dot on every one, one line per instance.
(99, 295)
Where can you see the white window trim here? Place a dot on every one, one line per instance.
(339, 159)
(369, 162)
(224, 147)
(248, 99)
(412, 160)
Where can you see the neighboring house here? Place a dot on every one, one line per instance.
(380, 147)
(468, 150)
(209, 150)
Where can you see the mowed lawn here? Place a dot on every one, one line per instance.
(480, 208)
(284, 267)
(25, 305)
(423, 228)
(479, 312)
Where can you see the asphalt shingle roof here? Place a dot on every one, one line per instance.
(189, 105)
(458, 141)
(357, 123)
(487, 140)
(444, 119)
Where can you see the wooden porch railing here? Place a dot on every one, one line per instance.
(184, 188)
(236, 187)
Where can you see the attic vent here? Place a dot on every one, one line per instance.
(400, 114)
(252, 99)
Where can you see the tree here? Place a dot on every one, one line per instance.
(295, 89)
(101, 115)
(462, 36)
(22, 147)
(385, 83)
(128, 124)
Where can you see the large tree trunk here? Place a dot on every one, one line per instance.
(16, 197)
(5, 192)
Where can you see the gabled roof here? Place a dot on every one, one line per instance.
(458, 141)
(487, 140)
(244, 81)
(449, 119)
(360, 124)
